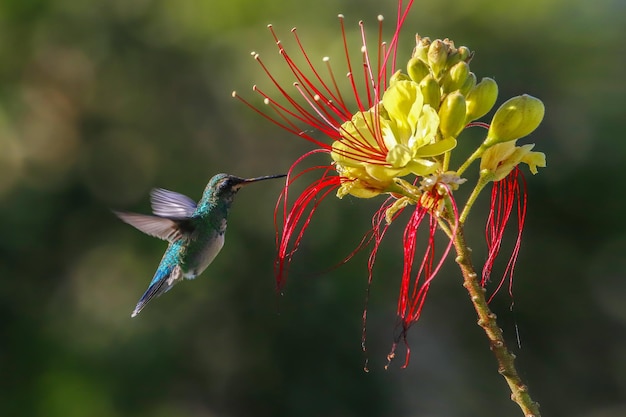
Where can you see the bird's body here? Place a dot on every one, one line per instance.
(195, 232)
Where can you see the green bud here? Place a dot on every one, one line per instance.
(430, 91)
(417, 69)
(421, 48)
(398, 76)
(469, 84)
(455, 77)
(452, 115)
(465, 53)
(481, 99)
(453, 57)
(437, 56)
(516, 118)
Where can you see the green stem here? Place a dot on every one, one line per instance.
(484, 179)
(446, 160)
(477, 154)
(487, 320)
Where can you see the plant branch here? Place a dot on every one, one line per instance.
(487, 320)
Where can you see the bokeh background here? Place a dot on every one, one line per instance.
(102, 100)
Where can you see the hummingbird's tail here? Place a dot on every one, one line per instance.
(163, 280)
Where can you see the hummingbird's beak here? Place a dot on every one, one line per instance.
(267, 177)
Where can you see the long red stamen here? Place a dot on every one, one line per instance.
(506, 195)
(414, 289)
(299, 109)
(403, 12)
(378, 231)
(297, 217)
(334, 98)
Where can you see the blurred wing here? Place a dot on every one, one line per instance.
(160, 227)
(167, 203)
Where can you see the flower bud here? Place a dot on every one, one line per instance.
(469, 84)
(453, 56)
(398, 76)
(417, 69)
(481, 99)
(421, 48)
(452, 115)
(437, 56)
(430, 91)
(456, 77)
(464, 53)
(516, 118)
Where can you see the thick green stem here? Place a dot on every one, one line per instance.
(487, 320)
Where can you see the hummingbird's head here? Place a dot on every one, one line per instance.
(225, 186)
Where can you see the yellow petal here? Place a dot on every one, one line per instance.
(403, 102)
(426, 129)
(492, 157)
(534, 160)
(399, 156)
(436, 148)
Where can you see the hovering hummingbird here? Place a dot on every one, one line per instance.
(195, 232)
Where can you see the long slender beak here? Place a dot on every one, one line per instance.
(267, 177)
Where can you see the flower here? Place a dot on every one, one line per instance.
(396, 140)
(500, 163)
(500, 159)
(406, 139)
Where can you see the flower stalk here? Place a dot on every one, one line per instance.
(487, 321)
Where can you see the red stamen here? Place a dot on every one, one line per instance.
(505, 195)
(337, 99)
(478, 124)
(331, 74)
(414, 289)
(298, 216)
(368, 77)
(379, 228)
(381, 81)
(393, 45)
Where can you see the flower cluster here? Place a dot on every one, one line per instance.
(397, 139)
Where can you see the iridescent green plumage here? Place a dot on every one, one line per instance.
(195, 232)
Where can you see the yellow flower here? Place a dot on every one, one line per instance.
(394, 139)
(500, 159)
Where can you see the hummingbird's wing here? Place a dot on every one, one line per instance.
(166, 229)
(167, 203)
(167, 274)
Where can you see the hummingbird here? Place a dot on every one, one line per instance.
(195, 232)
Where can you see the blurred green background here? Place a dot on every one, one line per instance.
(102, 100)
